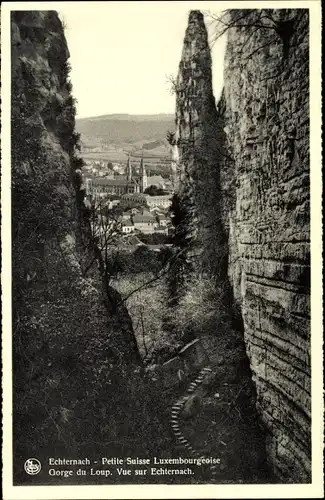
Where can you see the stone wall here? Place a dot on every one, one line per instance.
(266, 114)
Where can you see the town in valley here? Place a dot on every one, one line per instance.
(135, 202)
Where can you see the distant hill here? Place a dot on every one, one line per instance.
(125, 130)
(124, 116)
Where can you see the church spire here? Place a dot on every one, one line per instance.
(129, 169)
(143, 175)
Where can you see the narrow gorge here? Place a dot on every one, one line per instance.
(226, 375)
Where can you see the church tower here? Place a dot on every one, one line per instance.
(143, 177)
(128, 169)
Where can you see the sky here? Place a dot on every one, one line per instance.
(122, 54)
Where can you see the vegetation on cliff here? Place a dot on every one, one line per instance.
(77, 379)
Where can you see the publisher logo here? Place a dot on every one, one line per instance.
(32, 466)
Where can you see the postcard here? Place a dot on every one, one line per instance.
(161, 245)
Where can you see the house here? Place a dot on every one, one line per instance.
(162, 219)
(145, 223)
(144, 211)
(127, 227)
(126, 216)
(131, 240)
(162, 201)
(154, 209)
(161, 230)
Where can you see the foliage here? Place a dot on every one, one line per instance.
(201, 310)
(154, 238)
(171, 138)
(147, 308)
(71, 384)
(180, 217)
(172, 82)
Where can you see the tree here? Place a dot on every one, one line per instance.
(154, 238)
(154, 191)
(179, 239)
(171, 138)
(104, 232)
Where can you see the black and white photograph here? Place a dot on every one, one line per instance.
(162, 208)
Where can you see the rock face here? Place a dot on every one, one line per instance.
(70, 357)
(245, 167)
(266, 113)
(197, 148)
(201, 151)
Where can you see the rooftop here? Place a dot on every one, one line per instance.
(155, 179)
(132, 239)
(160, 197)
(143, 218)
(134, 195)
(112, 182)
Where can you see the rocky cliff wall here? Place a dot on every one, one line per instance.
(71, 356)
(244, 166)
(200, 149)
(266, 117)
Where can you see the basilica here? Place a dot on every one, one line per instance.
(137, 183)
(123, 184)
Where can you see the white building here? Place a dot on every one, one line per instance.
(127, 227)
(161, 230)
(163, 220)
(163, 201)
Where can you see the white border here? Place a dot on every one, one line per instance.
(313, 490)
